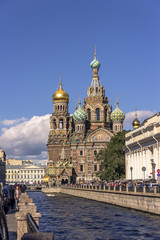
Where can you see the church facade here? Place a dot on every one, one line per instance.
(74, 140)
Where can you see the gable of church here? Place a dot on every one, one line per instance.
(99, 135)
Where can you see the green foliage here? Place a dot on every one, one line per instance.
(113, 158)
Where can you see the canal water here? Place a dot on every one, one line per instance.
(72, 218)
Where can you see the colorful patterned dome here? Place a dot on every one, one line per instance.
(117, 115)
(95, 63)
(79, 114)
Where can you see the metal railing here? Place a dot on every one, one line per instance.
(31, 224)
(133, 189)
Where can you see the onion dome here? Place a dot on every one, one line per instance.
(117, 114)
(95, 63)
(60, 95)
(79, 114)
(136, 122)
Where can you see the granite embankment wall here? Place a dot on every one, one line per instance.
(143, 202)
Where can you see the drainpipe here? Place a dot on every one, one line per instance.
(157, 150)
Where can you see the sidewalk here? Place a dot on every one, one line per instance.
(12, 224)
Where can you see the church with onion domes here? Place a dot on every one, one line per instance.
(75, 140)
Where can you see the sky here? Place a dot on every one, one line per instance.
(39, 39)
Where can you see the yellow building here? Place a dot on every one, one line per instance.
(142, 156)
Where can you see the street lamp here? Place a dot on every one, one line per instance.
(131, 168)
(144, 169)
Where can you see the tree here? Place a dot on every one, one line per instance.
(113, 158)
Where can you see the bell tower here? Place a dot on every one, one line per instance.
(96, 104)
(60, 125)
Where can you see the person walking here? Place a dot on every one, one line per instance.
(17, 193)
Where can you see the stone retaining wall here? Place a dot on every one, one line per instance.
(141, 202)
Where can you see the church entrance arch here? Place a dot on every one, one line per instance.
(64, 181)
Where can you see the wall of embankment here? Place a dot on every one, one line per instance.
(147, 203)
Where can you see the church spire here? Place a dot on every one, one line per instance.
(117, 100)
(95, 52)
(95, 89)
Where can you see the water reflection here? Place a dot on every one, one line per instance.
(77, 218)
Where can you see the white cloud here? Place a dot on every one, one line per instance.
(26, 140)
(13, 122)
(130, 116)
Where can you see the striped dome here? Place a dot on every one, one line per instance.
(117, 115)
(95, 63)
(79, 115)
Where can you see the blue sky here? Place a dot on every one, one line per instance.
(39, 39)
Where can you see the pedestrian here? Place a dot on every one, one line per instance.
(12, 197)
(17, 193)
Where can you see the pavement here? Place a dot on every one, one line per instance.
(12, 224)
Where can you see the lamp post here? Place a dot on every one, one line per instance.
(131, 168)
(144, 169)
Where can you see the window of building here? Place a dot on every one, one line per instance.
(96, 89)
(81, 153)
(61, 123)
(54, 124)
(95, 168)
(88, 114)
(105, 114)
(81, 168)
(95, 152)
(97, 114)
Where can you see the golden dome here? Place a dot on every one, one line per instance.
(46, 179)
(136, 122)
(60, 95)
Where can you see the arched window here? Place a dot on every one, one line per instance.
(95, 152)
(58, 107)
(97, 114)
(105, 114)
(78, 127)
(96, 89)
(54, 124)
(89, 114)
(61, 107)
(61, 123)
(116, 128)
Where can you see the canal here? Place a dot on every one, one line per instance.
(72, 218)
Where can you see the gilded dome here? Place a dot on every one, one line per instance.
(60, 95)
(79, 114)
(135, 123)
(117, 115)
